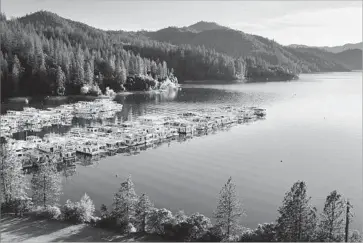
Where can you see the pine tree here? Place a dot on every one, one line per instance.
(123, 74)
(46, 183)
(143, 206)
(112, 62)
(124, 202)
(87, 208)
(159, 71)
(140, 65)
(38, 60)
(229, 210)
(297, 219)
(153, 68)
(60, 81)
(78, 67)
(231, 68)
(332, 219)
(165, 70)
(16, 73)
(12, 182)
(3, 66)
(88, 74)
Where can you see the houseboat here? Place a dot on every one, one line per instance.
(88, 148)
(47, 148)
(68, 155)
(183, 127)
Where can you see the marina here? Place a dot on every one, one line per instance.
(32, 119)
(107, 140)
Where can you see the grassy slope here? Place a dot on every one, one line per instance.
(15, 229)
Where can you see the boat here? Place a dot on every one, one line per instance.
(68, 156)
(260, 112)
(112, 146)
(183, 127)
(47, 148)
(89, 149)
(134, 139)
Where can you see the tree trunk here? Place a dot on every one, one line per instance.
(44, 192)
(332, 223)
(347, 223)
(143, 223)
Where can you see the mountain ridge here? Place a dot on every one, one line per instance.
(236, 43)
(333, 49)
(213, 36)
(205, 25)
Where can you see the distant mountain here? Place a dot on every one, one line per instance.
(336, 49)
(239, 44)
(299, 46)
(352, 58)
(203, 26)
(333, 49)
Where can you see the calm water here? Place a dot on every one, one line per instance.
(313, 125)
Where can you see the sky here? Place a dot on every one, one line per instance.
(313, 23)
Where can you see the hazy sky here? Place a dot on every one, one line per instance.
(316, 23)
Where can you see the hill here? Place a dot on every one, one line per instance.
(43, 53)
(239, 44)
(203, 26)
(352, 58)
(336, 49)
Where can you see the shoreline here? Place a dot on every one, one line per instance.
(22, 99)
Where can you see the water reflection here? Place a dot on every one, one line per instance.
(67, 171)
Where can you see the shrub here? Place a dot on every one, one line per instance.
(79, 212)
(49, 212)
(184, 228)
(84, 89)
(94, 220)
(355, 236)
(156, 219)
(94, 90)
(109, 92)
(17, 206)
(212, 235)
(108, 222)
(86, 208)
(61, 90)
(263, 233)
(140, 83)
(247, 236)
(91, 90)
(69, 212)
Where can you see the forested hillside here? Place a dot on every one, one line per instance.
(239, 44)
(349, 46)
(45, 54)
(352, 58)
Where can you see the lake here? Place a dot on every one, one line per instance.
(313, 125)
